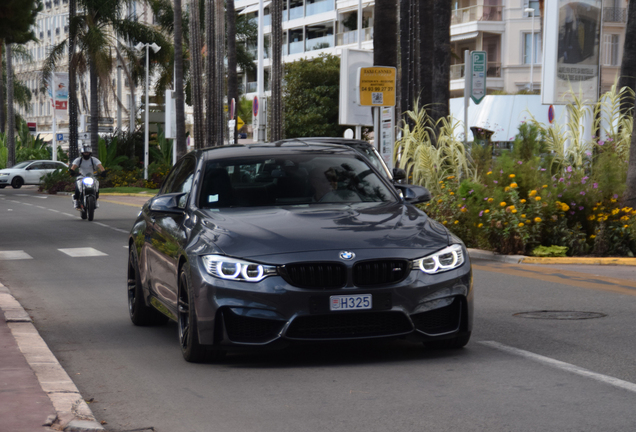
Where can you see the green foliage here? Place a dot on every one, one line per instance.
(107, 154)
(529, 200)
(311, 94)
(161, 152)
(4, 151)
(244, 110)
(57, 181)
(549, 251)
(18, 19)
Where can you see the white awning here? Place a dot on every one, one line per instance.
(464, 36)
(253, 8)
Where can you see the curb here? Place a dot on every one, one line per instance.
(522, 259)
(73, 413)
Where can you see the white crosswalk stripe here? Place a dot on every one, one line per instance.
(82, 252)
(14, 255)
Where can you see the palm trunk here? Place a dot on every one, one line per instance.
(426, 28)
(94, 105)
(73, 152)
(196, 73)
(10, 115)
(219, 31)
(3, 116)
(178, 78)
(628, 69)
(441, 59)
(385, 41)
(628, 65)
(232, 76)
(210, 73)
(276, 77)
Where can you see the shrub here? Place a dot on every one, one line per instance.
(57, 181)
(549, 251)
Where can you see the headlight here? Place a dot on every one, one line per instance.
(230, 268)
(4, 174)
(447, 259)
(88, 181)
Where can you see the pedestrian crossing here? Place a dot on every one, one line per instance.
(13, 255)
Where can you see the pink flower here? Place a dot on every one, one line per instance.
(601, 143)
(581, 207)
(582, 192)
(569, 169)
(495, 181)
(520, 163)
(595, 185)
(615, 196)
(481, 213)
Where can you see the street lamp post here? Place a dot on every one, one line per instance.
(531, 10)
(155, 48)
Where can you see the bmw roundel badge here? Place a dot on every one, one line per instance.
(346, 255)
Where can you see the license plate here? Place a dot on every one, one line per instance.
(350, 302)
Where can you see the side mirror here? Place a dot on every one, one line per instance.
(415, 194)
(399, 174)
(169, 203)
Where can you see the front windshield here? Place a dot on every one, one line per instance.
(306, 178)
(22, 165)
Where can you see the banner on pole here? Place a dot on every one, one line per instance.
(58, 92)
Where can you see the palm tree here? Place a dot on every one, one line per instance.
(385, 42)
(196, 72)
(627, 79)
(440, 88)
(18, 19)
(232, 76)
(178, 88)
(276, 77)
(97, 31)
(73, 152)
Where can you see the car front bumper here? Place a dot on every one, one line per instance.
(272, 312)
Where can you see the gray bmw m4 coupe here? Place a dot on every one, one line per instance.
(272, 244)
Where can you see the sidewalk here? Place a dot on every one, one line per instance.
(36, 394)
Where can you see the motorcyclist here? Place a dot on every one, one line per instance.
(87, 165)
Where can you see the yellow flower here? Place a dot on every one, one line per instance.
(615, 211)
(514, 211)
(565, 207)
(512, 176)
(456, 222)
(452, 193)
(441, 181)
(613, 200)
(523, 216)
(480, 225)
(506, 189)
(459, 205)
(445, 222)
(503, 203)
(439, 201)
(537, 198)
(443, 186)
(532, 193)
(489, 172)
(544, 186)
(450, 177)
(528, 221)
(591, 217)
(464, 210)
(537, 219)
(520, 224)
(625, 218)
(491, 199)
(592, 236)
(513, 185)
(625, 226)
(486, 211)
(522, 201)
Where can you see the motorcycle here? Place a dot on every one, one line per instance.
(88, 191)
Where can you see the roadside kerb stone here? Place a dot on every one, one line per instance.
(73, 413)
(522, 259)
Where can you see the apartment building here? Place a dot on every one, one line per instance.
(503, 28)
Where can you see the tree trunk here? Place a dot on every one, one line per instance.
(232, 75)
(94, 104)
(73, 152)
(178, 79)
(10, 115)
(210, 73)
(196, 74)
(628, 65)
(220, 71)
(441, 59)
(276, 77)
(385, 41)
(3, 116)
(426, 27)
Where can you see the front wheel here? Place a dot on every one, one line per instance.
(140, 313)
(17, 182)
(90, 207)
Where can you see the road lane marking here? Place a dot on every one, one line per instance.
(564, 277)
(43, 208)
(68, 214)
(53, 210)
(568, 367)
(27, 204)
(14, 255)
(82, 252)
(101, 224)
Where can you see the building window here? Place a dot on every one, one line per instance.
(610, 50)
(527, 48)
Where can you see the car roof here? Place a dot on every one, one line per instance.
(274, 149)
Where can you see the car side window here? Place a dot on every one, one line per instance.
(183, 179)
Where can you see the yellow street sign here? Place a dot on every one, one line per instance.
(239, 123)
(377, 86)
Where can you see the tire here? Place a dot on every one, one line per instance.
(83, 214)
(17, 182)
(90, 207)
(191, 349)
(454, 343)
(140, 314)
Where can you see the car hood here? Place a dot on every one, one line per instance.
(282, 230)
(10, 171)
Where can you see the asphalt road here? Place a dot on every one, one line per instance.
(516, 374)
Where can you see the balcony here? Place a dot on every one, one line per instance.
(252, 87)
(457, 71)
(476, 13)
(319, 43)
(614, 15)
(319, 7)
(351, 37)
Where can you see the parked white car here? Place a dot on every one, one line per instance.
(29, 172)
